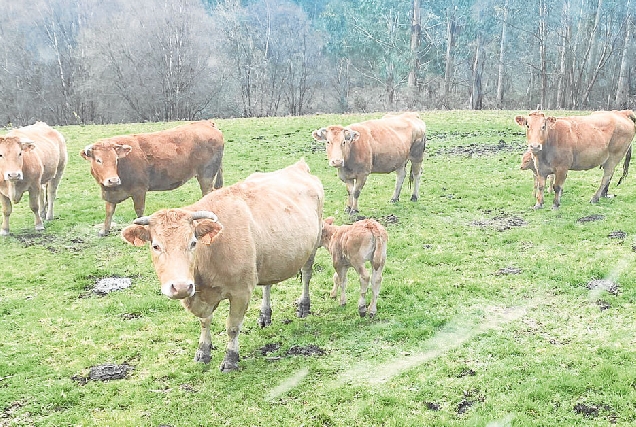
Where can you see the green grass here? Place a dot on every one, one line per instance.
(454, 342)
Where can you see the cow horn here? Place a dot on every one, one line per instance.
(204, 215)
(88, 149)
(142, 220)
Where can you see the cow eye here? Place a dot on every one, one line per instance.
(156, 247)
(98, 161)
(193, 244)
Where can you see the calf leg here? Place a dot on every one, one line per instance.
(399, 181)
(34, 204)
(416, 174)
(364, 285)
(238, 307)
(340, 282)
(304, 303)
(540, 185)
(7, 208)
(376, 281)
(265, 319)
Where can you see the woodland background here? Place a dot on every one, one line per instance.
(110, 61)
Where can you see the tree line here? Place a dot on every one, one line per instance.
(105, 61)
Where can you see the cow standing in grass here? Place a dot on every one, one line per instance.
(32, 158)
(131, 165)
(352, 246)
(376, 146)
(257, 232)
(578, 143)
(527, 163)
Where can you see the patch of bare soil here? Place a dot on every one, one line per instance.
(384, 220)
(608, 286)
(508, 270)
(269, 348)
(432, 406)
(51, 242)
(590, 218)
(309, 350)
(477, 150)
(592, 410)
(617, 234)
(105, 372)
(501, 222)
(111, 284)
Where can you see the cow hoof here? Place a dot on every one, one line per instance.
(39, 228)
(535, 207)
(103, 233)
(414, 198)
(303, 308)
(362, 311)
(397, 199)
(230, 363)
(4, 232)
(203, 354)
(265, 319)
(347, 209)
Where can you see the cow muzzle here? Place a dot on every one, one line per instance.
(178, 290)
(336, 163)
(535, 146)
(113, 181)
(13, 176)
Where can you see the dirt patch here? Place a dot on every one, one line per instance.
(608, 286)
(618, 234)
(463, 406)
(51, 242)
(508, 270)
(384, 220)
(501, 222)
(111, 284)
(105, 372)
(590, 218)
(478, 150)
(467, 373)
(309, 350)
(269, 348)
(432, 406)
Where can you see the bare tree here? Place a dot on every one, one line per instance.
(622, 90)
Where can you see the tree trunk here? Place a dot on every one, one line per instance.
(543, 71)
(566, 37)
(502, 46)
(451, 29)
(622, 89)
(415, 44)
(477, 95)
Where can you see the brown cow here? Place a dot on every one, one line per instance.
(376, 146)
(32, 158)
(527, 163)
(130, 165)
(578, 143)
(258, 232)
(351, 246)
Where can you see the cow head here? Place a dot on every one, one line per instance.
(104, 157)
(338, 142)
(173, 235)
(327, 231)
(11, 159)
(537, 127)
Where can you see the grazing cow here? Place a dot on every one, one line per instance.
(258, 232)
(130, 165)
(376, 146)
(527, 163)
(32, 158)
(578, 143)
(351, 246)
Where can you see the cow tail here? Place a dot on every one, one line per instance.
(628, 157)
(411, 177)
(378, 253)
(218, 179)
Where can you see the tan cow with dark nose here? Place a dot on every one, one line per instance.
(32, 158)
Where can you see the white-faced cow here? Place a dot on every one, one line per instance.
(32, 158)
(578, 143)
(257, 232)
(376, 146)
(131, 165)
(352, 246)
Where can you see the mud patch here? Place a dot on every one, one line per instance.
(463, 406)
(618, 234)
(508, 270)
(432, 406)
(51, 242)
(105, 372)
(111, 284)
(590, 410)
(309, 350)
(599, 285)
(269, 348)
(500, 222)
(384, 220)
(590, 218)
(603, 305)
(479, 150)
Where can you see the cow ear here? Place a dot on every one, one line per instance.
(329, 220)
(207, 230)
(87, 152)
(122, 150)
(521, 120)
(27, 145)
(351, 135)
(551, 121)
(136, 235)
(319, 134)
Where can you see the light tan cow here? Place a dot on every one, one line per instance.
(257, 232)
(131, 165)
(578, 143)
(352, 246)
(32, 158)
(376, 146)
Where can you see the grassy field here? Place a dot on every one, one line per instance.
(489, 312)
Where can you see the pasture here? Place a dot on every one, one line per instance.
(490, 313)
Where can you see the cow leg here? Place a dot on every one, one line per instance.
(364, 285)
(203, 310)
(416, 174)
(51, 192)
(238, 307)
(42, 202)
(35, 194)
(7, 208)
(304, 303)
(559, 179)
(210, 176)
(139, 203)
(265, 319)
(340, 283)
(540, 185)
(203, 354)
(110, 211)
(399, 181)
(357, 189)
(608, 172)
(350, 183)
(376, 281)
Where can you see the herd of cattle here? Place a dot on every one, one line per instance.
(265, 229)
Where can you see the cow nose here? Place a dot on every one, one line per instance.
(13, 176)
(535, 146)
(336, 163)
(112, 181)
(179, 290)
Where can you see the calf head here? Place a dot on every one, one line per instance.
(527, 161)
(338, 142)
(11, 159)
(327, 231)
(104, 157)
(173, 235)
(537, 127)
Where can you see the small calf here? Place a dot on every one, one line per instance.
(527, 163)
(351, 246)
